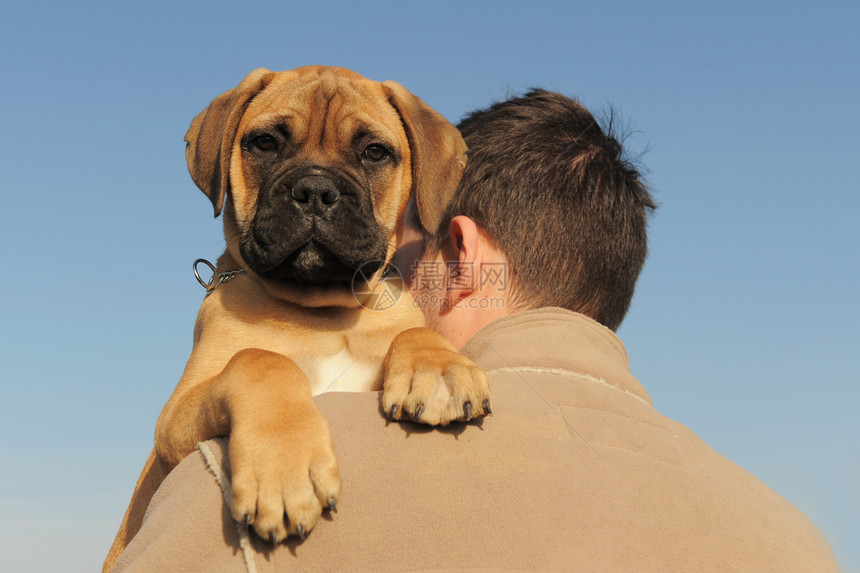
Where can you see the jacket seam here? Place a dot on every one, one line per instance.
(568, 374)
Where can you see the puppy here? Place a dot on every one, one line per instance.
(316, 171)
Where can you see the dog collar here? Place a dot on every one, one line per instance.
(216, 280)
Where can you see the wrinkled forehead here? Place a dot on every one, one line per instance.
(326, 105)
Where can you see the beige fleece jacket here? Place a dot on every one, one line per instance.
(575, 471)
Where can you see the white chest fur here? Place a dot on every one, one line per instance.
(342, 372)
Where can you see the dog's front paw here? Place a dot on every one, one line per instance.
(283, 475)
(428, 381)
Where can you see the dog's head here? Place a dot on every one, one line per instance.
(313, 169)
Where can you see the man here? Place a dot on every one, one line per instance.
(533, 271)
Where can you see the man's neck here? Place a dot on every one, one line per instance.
(467, 316)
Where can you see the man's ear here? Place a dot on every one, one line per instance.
(438, 154)
(464, 253)
(209, 140)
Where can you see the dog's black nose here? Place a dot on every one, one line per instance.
(315, 192)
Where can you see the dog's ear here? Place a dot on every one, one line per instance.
(209, 140)
(438, 154)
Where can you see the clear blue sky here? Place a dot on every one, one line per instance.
(744, 326)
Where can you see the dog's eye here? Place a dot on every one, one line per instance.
(265, 143)
(375, 153)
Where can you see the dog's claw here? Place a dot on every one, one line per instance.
(272, 537)
(301, 532)
(332, 506)
(418, 412)
(247, 520)
(392, 412)
(467, 410)
(487, 410)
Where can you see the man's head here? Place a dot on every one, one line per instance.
(551, 190)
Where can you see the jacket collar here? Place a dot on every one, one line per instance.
(555, 339)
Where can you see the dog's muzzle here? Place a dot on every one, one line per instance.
(315, 194)
(312, 226)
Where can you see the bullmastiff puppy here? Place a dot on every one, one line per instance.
(317, 171)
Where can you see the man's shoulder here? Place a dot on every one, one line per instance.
(577, 484)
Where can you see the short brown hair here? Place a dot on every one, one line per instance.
(554, 193)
